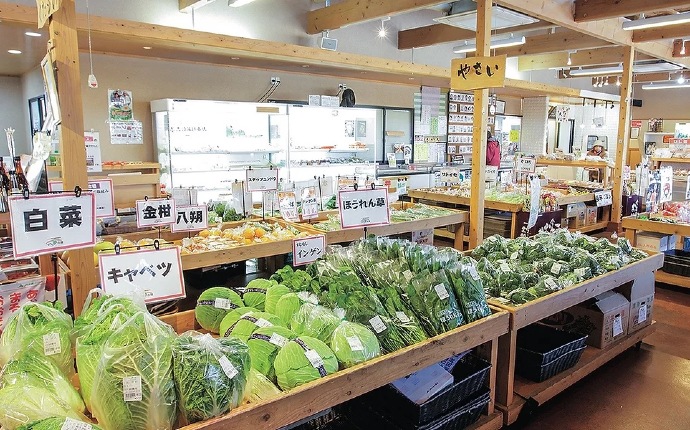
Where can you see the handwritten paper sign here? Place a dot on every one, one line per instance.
(478, 72)
(361, 208)
(449, 175)
(14, 295)
(603, 198)
(190, 218)
(46, 8)
(262, 179)
(526, 165)
(310, 204)
(491, 174)
(308, 250)
(425, 237)
(288, 205)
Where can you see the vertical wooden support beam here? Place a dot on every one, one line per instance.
(481, 102)
(623, 137)
(63, 32)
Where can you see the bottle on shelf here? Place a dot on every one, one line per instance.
(19, 181)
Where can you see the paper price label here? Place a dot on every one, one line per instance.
(229, 370)
(402, 317)
(473, 273)
(526, 165)
(288, 206)
(191, 218)
(262, 179)
(581, 272)
(556, 269)
(308, 250)
(642, 313)
(72, 424)
(505, 268)
(278, 340)
(423, 236)
(355, 343)
(514, 256)
(377, 324)
(314, 358)
(441, 291)
(626, 173)
(131, 388)
(263, 323)
(603, 198)
(310, 208)
(617, 325)
(449, 175)
(223, 304)
(51, 344)
(551, 284)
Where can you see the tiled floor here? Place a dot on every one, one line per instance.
(647, 389)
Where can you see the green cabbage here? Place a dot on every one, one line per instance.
(23, 404)
(254, 294)
(264, 345)
(304, 359)
(354, 343)
(273, 294)
(38, 371)
(232, 317)
(250, 322)
(57, 423)
(137, 355)
(39, 328)
(213, 305)
(287, 306)
(210, 375)
(259, 388)
(314, 321)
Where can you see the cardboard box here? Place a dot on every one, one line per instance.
(604, 318)
(591, 215)
(575, 209)
(640, 294)
(649, 241)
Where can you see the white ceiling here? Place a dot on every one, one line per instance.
(33, 49)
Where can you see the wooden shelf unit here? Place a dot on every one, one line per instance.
(531, 312)
(316, 396)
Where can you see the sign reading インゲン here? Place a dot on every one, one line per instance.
(478, 72)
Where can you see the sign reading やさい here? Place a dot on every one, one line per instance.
(478, 72)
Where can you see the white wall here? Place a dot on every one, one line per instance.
(14, 113)
(666, 104)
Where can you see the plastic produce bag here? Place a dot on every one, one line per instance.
(314, 321)
(354, 343)
(57, 423)
(213, 305)
(210, 375)
(433, 300)
(469, 290)
(23, 404)
(133, 388)
(264, 345)
(259, 388)
(39, 328)
(304, 359)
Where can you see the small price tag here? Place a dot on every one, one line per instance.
(514, 256)
(556, 268)
(441, 291)
(473, 273)
(642, 313)
(617, 325)
(72, 424)
(278, 340)
(310, 204)
(581, 272)
(402, 317)
(131, 388)
(355, 343)
(223, 304)
(51, 344)
(314, 358)
(505, 267)
(288, 206)
(229, 370)
(551, 284)
(262, 179)
(377, 324)
(218, 220)
(603, 198)
(308, 250)
(526, 165)
(491, 174)
(263, 323)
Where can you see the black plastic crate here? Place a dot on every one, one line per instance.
(677, 262)
(364, 417)
(542, 344)
(541, 373)
(470, 375)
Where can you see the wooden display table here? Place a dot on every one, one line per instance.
(316, 396)
(633, 225)
(508, 384)
(586, 164)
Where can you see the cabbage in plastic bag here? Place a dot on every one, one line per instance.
(250, 322)
(58, 423)
(213, 305)
(210, 375)
(133, 388)
(304, 359)
(23, 404)
(314, 321)
(259, 388)
(354, 343)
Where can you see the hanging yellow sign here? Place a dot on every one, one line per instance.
(478, 72)
(45, 9)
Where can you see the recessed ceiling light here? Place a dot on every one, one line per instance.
(234, 58)
(14, 51)
(304, 66)
(147, 47)
(412, 79)
(33, 34)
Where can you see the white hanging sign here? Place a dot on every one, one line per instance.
(262, 179)
(102, 188)
(156, 272)
(666, 194)
(361, 208)
(155, 212)
(526, 165)
(425, 237)
(308, 250)
(190, 218)
(310, 204)
(491, 174)
(288, 205)
(603, 198)
(52, 222)
(449, 175)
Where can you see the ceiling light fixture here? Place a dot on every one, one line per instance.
(238, 3)
(682, 47)
(383, 31)
(14, 51)
(570, 60)
(657, 21)
(33, 34)
(638, 68)
(664, 86)
(147, 47)
(495, 44)
(681, 80)
(607, 81)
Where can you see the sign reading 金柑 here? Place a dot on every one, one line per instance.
(155, 212)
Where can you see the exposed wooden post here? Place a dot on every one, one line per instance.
(63, 33)
(481, 102)
(623, 137)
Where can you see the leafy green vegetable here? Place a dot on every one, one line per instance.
(39, 328)
(264, 345)
(259, 388)
(434, 302)
(213, 305)
(138, 357)
(58, 423)
(210, 374)
(232, 317)
(254, 294)
(303, 359)
(354, 343)
(469, 290)
(36, 370)
(23, 404)
(314, 321)
(295, 280)
(250, 322)
(287, 307)
(273, 294)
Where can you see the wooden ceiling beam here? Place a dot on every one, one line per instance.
(661, 33)
(638, 77)
(554, 42)
(349, 12)
(587, 57)
(441, 33)
(594, 10)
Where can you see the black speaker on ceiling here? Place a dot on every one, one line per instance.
(637, 103)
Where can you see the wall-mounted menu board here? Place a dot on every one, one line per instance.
(461, 126)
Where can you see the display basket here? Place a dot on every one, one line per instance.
(542, 351)
(677, 262)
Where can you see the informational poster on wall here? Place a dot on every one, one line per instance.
(92, 140)
(120, 105)
(126, 133)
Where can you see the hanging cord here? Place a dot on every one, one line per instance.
(93, 83)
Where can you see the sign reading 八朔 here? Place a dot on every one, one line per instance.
(478, 72)
(190, 218)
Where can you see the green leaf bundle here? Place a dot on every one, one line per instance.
(213, 305)
(302, 360)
